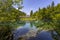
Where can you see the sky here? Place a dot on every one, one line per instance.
(36, 4)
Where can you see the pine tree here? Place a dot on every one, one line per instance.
(31, 13)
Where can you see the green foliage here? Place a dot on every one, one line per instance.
(49, 15)
(9, 17)
(8, 12)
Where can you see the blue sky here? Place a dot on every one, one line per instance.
(35, 4)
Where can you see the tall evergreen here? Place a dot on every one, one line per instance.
(31, 13)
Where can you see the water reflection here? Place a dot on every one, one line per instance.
(23, 30)
(18, 33)
(32, 31)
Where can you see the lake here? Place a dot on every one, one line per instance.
(29, 31)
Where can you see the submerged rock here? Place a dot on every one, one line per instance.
(19, 33)
(30, 34)
(43, 35)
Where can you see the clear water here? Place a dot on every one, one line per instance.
(28, 26)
